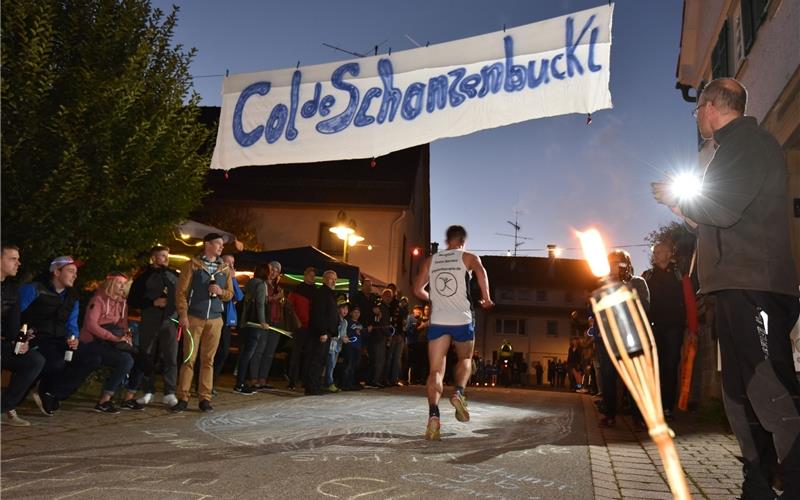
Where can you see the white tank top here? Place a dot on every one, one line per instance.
(449, 289)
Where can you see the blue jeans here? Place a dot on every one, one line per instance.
(266, 343)
(24, 370)
(58, 377)
(331, 365)
(395, 358)
(120, 363)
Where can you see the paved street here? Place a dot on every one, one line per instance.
(519, 444)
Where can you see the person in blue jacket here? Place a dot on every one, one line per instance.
(230, 320)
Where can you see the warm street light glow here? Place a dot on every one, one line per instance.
(354, 239)
(415, 252)
(595, 252)
(686, 186)
(342, 231)
(369, 247)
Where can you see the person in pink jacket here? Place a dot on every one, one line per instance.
(105, 334)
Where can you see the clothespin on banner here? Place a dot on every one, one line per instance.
(504, 27)
(390, 51)
(589, 119)
(226, 73)
(298, 65)
(373, 163)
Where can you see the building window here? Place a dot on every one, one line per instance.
(329, 242)
(506, 294)
(507, 326)
(719, 57)
(552, 328)
(753, 14)
(541, 295)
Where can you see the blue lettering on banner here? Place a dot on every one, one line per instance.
(453, 89)
(342, 120)
(310, 107)
(246, 139)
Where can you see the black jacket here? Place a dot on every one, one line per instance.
(154, 283)
(666, 296)
(324, 313)
(11, 315)
(743, 214)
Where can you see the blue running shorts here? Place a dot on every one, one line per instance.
(459, 333)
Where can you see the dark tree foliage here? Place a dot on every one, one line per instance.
(100, 138)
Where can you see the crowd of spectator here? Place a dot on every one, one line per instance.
(186, 321)
(172, 330)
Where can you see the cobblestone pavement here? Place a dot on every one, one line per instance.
(367, 445)
(626, 463)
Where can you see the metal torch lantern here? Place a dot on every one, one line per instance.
(628, 339)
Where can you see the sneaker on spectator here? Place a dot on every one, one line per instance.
(145, 399)
(170, 400)
(244, 389)
(131, 404)
(12, 419)
(107, 407)
(265, 387)
(332, 388)
(205, 406)
(179, 406)
(370, 385)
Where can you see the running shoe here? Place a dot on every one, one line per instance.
(107, 407)
(332, 388)
(244, 389)
(145, 399)
(131, 404)
(459, 402)
(205, 406)
(432, 433)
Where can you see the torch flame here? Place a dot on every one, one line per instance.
(595, 252)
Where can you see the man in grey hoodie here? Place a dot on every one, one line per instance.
(744, 258)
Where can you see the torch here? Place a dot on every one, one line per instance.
(627, 336)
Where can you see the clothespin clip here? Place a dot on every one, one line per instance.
(589, 119)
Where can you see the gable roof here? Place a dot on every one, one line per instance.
(538, 272)
(354, 182)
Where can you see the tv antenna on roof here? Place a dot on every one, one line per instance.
(516, 236)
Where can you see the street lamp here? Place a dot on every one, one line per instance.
(346, 231)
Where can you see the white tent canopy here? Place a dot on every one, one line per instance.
(197, 230)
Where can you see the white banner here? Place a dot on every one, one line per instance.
(368, 107)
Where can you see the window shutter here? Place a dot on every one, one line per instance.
(719, 57)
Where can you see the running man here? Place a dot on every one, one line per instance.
(448, 273)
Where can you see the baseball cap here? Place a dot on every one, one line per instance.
(342, 301)
(62, 261)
